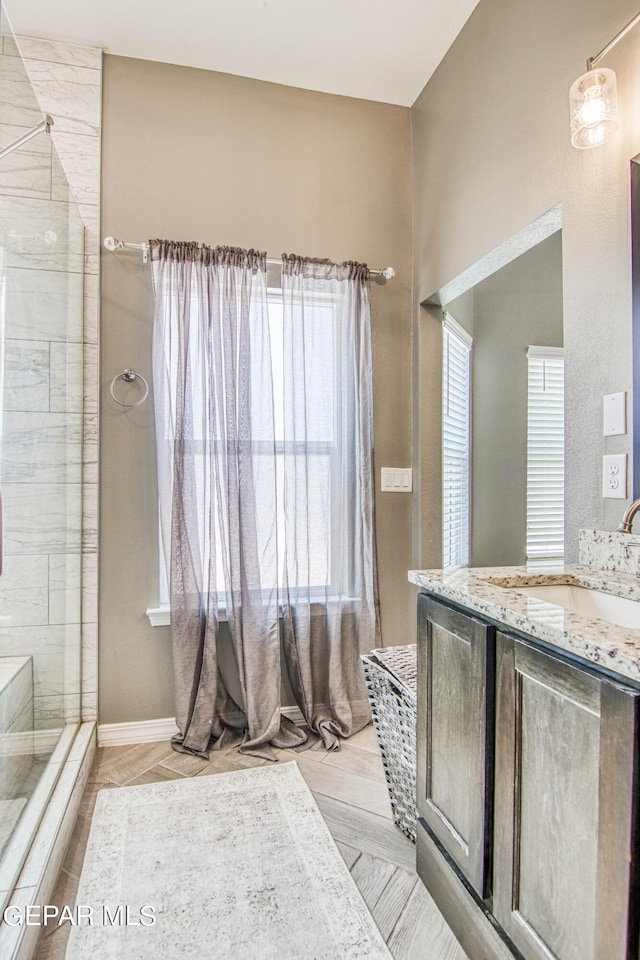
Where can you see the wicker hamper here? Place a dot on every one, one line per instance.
(390, 674)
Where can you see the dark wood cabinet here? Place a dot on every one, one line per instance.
(454, 736)
(565, 745)
(527, 793)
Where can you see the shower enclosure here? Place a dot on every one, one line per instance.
(41, 305)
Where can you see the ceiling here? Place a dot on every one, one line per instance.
(359, 48)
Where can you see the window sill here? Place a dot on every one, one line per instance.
(161, 616)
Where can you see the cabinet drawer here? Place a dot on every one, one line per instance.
(563, 807)
(455, 735)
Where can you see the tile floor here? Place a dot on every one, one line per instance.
(350, 790)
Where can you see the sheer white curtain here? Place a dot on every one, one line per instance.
(217, 489)
(329, 580)
(264, 432)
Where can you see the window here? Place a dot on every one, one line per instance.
(456, 419)
(307, 439)
(545, 455)
(316, 446)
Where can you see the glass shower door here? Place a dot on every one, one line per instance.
(41, 298)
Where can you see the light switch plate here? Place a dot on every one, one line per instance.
(614, 476)
(614, 414)
(396, 480)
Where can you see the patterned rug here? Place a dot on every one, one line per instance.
(234, 866)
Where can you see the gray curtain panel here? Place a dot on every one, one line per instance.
(329, 591)
(217, 489)
(266, 496)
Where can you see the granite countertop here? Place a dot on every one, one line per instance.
(486, 590)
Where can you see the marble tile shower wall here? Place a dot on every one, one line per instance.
(45, 597)
(42, 255)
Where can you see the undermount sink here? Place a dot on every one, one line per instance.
(586, 602)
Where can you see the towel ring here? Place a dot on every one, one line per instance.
(129, 376)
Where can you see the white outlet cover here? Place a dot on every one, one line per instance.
(614, 414)
(614, 476)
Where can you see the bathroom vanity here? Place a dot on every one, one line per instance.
(528, 763)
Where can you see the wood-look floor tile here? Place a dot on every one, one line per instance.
(365, 739)
(421, 931)
(224, 761)
(55, 946)
(186, 764)
(122, 764)
(349, 854)
(372, 875)
(156, 775)
(77, 845)
(64, 895)
(387, 910)
(349, 787)
(90, 795)
(96, 774)
(365, 763)
(367, 832)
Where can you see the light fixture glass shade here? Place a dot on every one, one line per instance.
(593, 102)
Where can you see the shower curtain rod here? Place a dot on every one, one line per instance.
(380, 276)
(43, 127)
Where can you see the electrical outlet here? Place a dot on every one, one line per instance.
(614, 476)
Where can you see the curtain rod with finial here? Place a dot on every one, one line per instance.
(110, 243)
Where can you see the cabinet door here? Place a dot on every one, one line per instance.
(563, 807)
(455, 734)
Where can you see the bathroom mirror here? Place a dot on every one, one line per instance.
(510, 300)
(518, 306)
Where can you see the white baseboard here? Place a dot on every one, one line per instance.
(295, 714)
(141, 731)
(151, 731)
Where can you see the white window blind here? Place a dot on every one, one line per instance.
(545, 454)
(456, 418)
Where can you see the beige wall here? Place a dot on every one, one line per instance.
(196, 155)
(492, 154)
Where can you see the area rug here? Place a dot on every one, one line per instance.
(233, 866)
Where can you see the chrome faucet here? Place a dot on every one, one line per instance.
(629, 514)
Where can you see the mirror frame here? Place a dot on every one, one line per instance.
(635, 322)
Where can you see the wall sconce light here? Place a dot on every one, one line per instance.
(593, 99)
